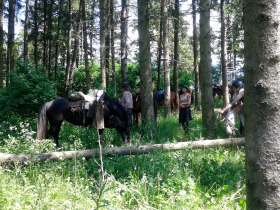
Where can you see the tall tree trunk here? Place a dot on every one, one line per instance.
(57, 41)
(262, 64)
(165, 24)
(208, 118)
(146, 85)
(1, 45)
(11, 39)
(85, 44)
(50, 37)
(26, 23)
(45, 36)
(159, 48)
(107, 43)
(124, 40)
(176, 46)
(224, 55)
(102, 6)
(67, 76)
(195, 59)
(91, 30)
(75, 51)
(35, 52)
(113, 48)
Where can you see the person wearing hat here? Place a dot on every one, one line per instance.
(236, 103)
(127, 103)
(184, 103)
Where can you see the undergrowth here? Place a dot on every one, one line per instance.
(186, 179)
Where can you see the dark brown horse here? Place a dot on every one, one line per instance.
(137, 107)
(219, 91)
(173, 102)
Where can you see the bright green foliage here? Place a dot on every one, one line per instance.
(188, 179)
(29, 90)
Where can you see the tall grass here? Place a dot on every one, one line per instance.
(187, 179)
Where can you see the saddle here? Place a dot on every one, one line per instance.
(92, 103)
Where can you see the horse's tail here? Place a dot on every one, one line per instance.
(42, 123)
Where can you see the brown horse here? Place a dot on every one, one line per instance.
(219, 91)
(136, 110)
(173, 102)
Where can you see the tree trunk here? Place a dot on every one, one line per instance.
(146, 84)
(11, 39)
(45, 37)
(124, 41)
(107, 43)
(262, 90)
(195, 58)
(67, 77)
(134, 150)
(50, 37)
(76, 47)
(113, 48)
(85, 45)
(165, 24)
(36, 33)
(176, 47)
(224, 55)
(57, 41)
(159, 48)
(208, 118)
(102, 6)
(1, 45)
(26, 23)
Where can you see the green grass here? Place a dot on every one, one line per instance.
(187, 179)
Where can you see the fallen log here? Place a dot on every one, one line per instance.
(132, 150)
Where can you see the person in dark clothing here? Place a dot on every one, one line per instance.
(184, 103)
(237, 103)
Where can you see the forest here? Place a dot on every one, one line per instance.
(51, 49)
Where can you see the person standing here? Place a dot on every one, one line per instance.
(127, 103)
(237, 103)
(184, 103)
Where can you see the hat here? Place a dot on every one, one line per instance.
(185, 86)
(125, 86)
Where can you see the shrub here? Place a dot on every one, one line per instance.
(28, 90)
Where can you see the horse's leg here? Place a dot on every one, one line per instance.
(54, 132)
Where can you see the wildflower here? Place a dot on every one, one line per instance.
(50, 185)
(182, 192)
(184, 184)
(42, 185)
(83, 158)
(186, 164)
(151, 159)
(144, 178)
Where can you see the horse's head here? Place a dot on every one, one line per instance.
(114, 109)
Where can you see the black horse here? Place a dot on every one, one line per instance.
(56, 111)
